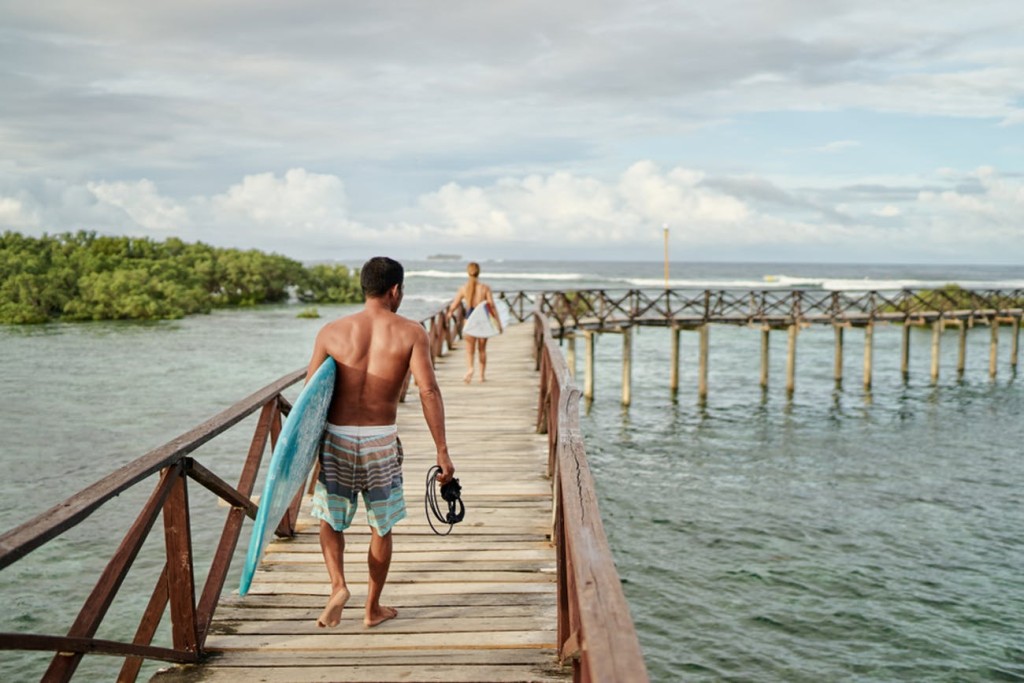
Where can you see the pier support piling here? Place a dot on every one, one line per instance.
(765, 339)
(702, 372)
(1014, 343)
(869, 339)
(905, 351)
(837, 370)
(993, 348)
(791, 360)
(673, 382)
(936, 345)
(570, 354)
(627, 365)
(588, 365)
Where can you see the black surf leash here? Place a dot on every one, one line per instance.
(451, 493)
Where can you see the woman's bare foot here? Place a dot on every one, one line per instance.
(468, 377)
(380, 615)
(332, 613)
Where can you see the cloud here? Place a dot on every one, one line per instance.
(143, 205)
(888, 211)
(12, 213)
(300, 202)
(837, 146)
(574, 210)
(975, 215)
(204, 88)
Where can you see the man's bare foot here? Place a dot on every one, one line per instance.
(332, 613)
(381, 615)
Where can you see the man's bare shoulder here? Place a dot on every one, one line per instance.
(409, 328)
(340, 325)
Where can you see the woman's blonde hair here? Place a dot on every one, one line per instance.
(474, 272)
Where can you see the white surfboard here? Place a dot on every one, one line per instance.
(482, 323)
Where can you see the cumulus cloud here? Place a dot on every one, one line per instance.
(143, 205)
(299, 202)
(12, 213)
(573, 209)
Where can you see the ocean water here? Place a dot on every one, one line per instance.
(837, 534)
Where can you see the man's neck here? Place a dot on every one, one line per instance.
(380, 304)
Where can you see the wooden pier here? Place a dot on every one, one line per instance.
(524, 589)
(477, 605)
(590, 312)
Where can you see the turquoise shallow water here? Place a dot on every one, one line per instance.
(840, 535)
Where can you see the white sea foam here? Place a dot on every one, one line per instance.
(708, 283)
(492, 275)
(814, 282)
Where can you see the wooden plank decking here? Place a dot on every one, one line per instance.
(478, 605)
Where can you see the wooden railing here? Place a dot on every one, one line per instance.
(595, 630)
(598, 308)
(191, 613)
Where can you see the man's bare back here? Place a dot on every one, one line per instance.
(373, 350)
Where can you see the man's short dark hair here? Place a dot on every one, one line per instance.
(380, 274)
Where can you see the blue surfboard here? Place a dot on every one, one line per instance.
(293, 457)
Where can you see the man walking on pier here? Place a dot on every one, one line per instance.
(360, 453)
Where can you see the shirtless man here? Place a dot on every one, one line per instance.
(360, 453)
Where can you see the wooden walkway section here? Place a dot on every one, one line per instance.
(478, 605)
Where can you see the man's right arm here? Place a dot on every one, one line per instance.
(319, 355)
(430, 399)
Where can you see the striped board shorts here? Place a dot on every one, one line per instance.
(360, 460)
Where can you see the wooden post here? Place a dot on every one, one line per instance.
(838, 362)
(765, 334)
(936, 342)
(674, 370)
(570, 354)
(961, 353)
(627, 365)
(588, 364)
(702, 373)
(791, 360)
(1014, 343)
(869, 339)
(993, 349)
(905, 351)
(181, 587)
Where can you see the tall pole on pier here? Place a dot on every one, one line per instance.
(664, 227)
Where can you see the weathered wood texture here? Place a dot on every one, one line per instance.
(478, 605)
(595, 630)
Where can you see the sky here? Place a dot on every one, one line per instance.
(754, 130)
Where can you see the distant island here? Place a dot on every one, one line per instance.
(445, 257)
(83, 276)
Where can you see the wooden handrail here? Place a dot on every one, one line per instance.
(595, 630)
(191, 614)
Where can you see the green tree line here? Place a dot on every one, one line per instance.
(84, 276)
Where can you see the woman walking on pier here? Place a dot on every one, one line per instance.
(486, 324)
